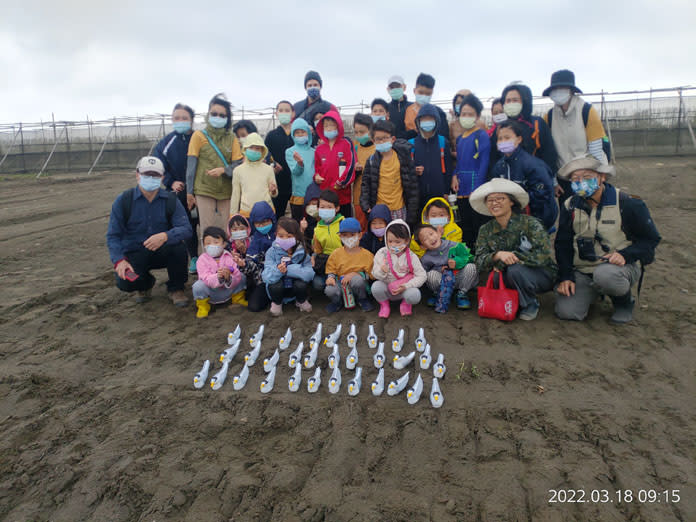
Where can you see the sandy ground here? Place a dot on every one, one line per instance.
(100, 420)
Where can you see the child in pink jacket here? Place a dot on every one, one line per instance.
(219, 279)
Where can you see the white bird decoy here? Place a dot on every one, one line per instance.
(256, 338)
(296, 356)
(378, 383)
(269, 381)
(334, 358)
(352, 359)
(355, 383)
(352, 338)
(439, 367)
(414, 392)
(271, 362)
(335, 381)
(285, 341)
(250, 358)
(218, 379)
(314, 382)
(436, 397)
(398, 343)
(372, 337)
(295, 379)
(316, 337)
(234, 336)
(228, 355)
(402, 362)
(202, 376)
(311, 357)
(378, 357)
(240, 380)
(420, 340)
(333, 337)
(397, 386)
(426, 358)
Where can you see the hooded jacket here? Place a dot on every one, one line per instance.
(252, 265)
(304, 107)
(433, 154)
(251, 180)
(410, 121)
(207, 267)
(536, 178)
(397, 113)
(437, 258)
(534, 130)
(369, 241)
(300, 266)
(451, 230)
(261, 242)
(301, 175)
(232, 247)
(312, 192)
(473, 153)
(335, 164)
(172, 151)
(409, 180)
(399, 264)
(277, 142)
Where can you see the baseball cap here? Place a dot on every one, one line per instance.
(150, 164)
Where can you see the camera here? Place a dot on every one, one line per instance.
(586, 249)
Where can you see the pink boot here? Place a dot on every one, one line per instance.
(384, 309)
(405, 308)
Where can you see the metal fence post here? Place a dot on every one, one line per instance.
(679, 121)
(21, 137)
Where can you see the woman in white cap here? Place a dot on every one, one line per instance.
(513, 243)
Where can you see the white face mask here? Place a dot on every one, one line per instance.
(239, 234)
(499, 118)
(350, 242)
(560, 96)
(467, 122)
(313, 210)
(213, 250)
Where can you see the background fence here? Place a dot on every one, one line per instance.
(652, 122)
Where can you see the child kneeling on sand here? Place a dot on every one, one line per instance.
(287, 270)
(398, 271)
(449, 267)
(218, 275)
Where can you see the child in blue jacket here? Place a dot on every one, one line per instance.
(300, 160)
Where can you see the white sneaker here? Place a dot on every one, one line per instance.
(304, 306)
(276, 309)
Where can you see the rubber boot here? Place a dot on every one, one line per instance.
(203, 307)
(623, 308)
(384, 309)
(405, 308)
(239, 299)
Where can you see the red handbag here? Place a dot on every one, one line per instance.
(497, 303)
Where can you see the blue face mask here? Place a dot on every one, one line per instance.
(301, 140)
(422, 99)
(313, 92)
(428, 125)
(217, 122)
(182, 126)
(375, 119)
(329, 135)
(585, 188)
(149, 183)
(362, 140)
(253, 155)
(327, 214)
(264, 229)
(439, 221)
(396, 93)
(384, 147)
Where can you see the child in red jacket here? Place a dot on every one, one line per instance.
(334, 160)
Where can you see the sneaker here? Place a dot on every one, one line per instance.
(142, 296)
(192, 265)
(432, 301)
(366, 305)
(276, 309)
(179, 298)
(530, 312)
(463, 302)
(305, 306)
(334, 307)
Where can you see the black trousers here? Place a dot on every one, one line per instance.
(470, 222)
(257, 297)
(172, 257)
(192, 242)
(280, 202)
(297, 212)
(298, 290)
(346, 210)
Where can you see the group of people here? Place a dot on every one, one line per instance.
(410, 202)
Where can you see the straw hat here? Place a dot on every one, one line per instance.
(477, 199)
(586, 162)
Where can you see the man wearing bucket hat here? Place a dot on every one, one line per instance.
(575, 125)
(603, 235)
(147, 229)
(513, 243)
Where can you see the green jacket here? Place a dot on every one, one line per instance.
(437, 258)
(524, 236)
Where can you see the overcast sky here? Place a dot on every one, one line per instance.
(121, 58)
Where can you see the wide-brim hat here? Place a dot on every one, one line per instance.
(587, 162)
(562, 78)
(477, 199)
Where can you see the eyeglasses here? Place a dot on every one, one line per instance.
(382, 140)
(218, 114)
(498, 199)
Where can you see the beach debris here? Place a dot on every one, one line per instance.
(333, 337)
(397, 386)
(285, 341)
(398, 343)
(355, 383)
(218, 379)
(202, 376)
(540, 389)
(378, 384)
(414, 392)
(436, 397)
(269, 381)
(240, 380)
(314, 382)
(401, 362)
(335, 380)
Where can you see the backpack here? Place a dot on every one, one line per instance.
(606, 146)
(442, 145)
(127, 204)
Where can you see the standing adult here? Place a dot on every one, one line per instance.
(396, 87)
(147, 229)
(213, 154)
(278, 141)
(172, 151)
(313, 85)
